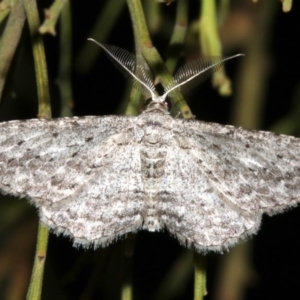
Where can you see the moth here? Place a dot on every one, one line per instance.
(96, 179)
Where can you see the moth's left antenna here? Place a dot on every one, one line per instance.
(126, 63)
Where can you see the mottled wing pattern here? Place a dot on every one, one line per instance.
(219, 180)
(107, 206)
(96, 179)
(81, 172)
(192, 208)
(255, 170)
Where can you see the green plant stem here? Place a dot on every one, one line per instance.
(287, 5)
(224, 10)
(51, 16)
(10, 39)
(145, 47)
(200, 276)
(251, 82)
(65, 61)
(153, 15)
(178, 37)
(3, 14)
(134, 105)
(44, 110)
(140, 31)
(107, 18)
(36, 281)
(39, 59)
(235, 273)
(7, 4)
(211, 44)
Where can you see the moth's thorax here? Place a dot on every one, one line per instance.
(154, 120)
(157, 106)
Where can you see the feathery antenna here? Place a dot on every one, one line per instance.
(126, 63)
(186, 77)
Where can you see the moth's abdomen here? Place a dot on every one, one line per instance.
(153, 159)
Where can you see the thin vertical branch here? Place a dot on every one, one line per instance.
(5, 8)
(209, 37)
(145, 47)
(200, 276)
(65, 60)
(51, 16)
(39, 59)
(134, 104)
(235, 273)
(247, 112)
(10, 39)
(287, 5)
(251, 85)
(142, 38)
(107, 18)
(44, 110)
(224, 10)
(178, 37)
(36, 281)
(211, 45)
(153, 15)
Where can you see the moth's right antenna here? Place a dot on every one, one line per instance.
(126, 62)
(195, 72)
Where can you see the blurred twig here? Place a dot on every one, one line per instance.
(15, 260)
(235, 274)
(10, 39)
(178, 37)
(250, 92)
(36, 281)
(144, 45)
(35, 288)
(211, 45)
(3, 13)
(247, 112)
(65, 61)
(287, 5)
(39, 59)
(223, 10)
(153, 15)
(51, 16)
(106, 20)
(200, 276)
(134, 105)
(7, 4)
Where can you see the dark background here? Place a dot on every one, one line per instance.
(87, 274)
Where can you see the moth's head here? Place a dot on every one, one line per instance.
(158, 103)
